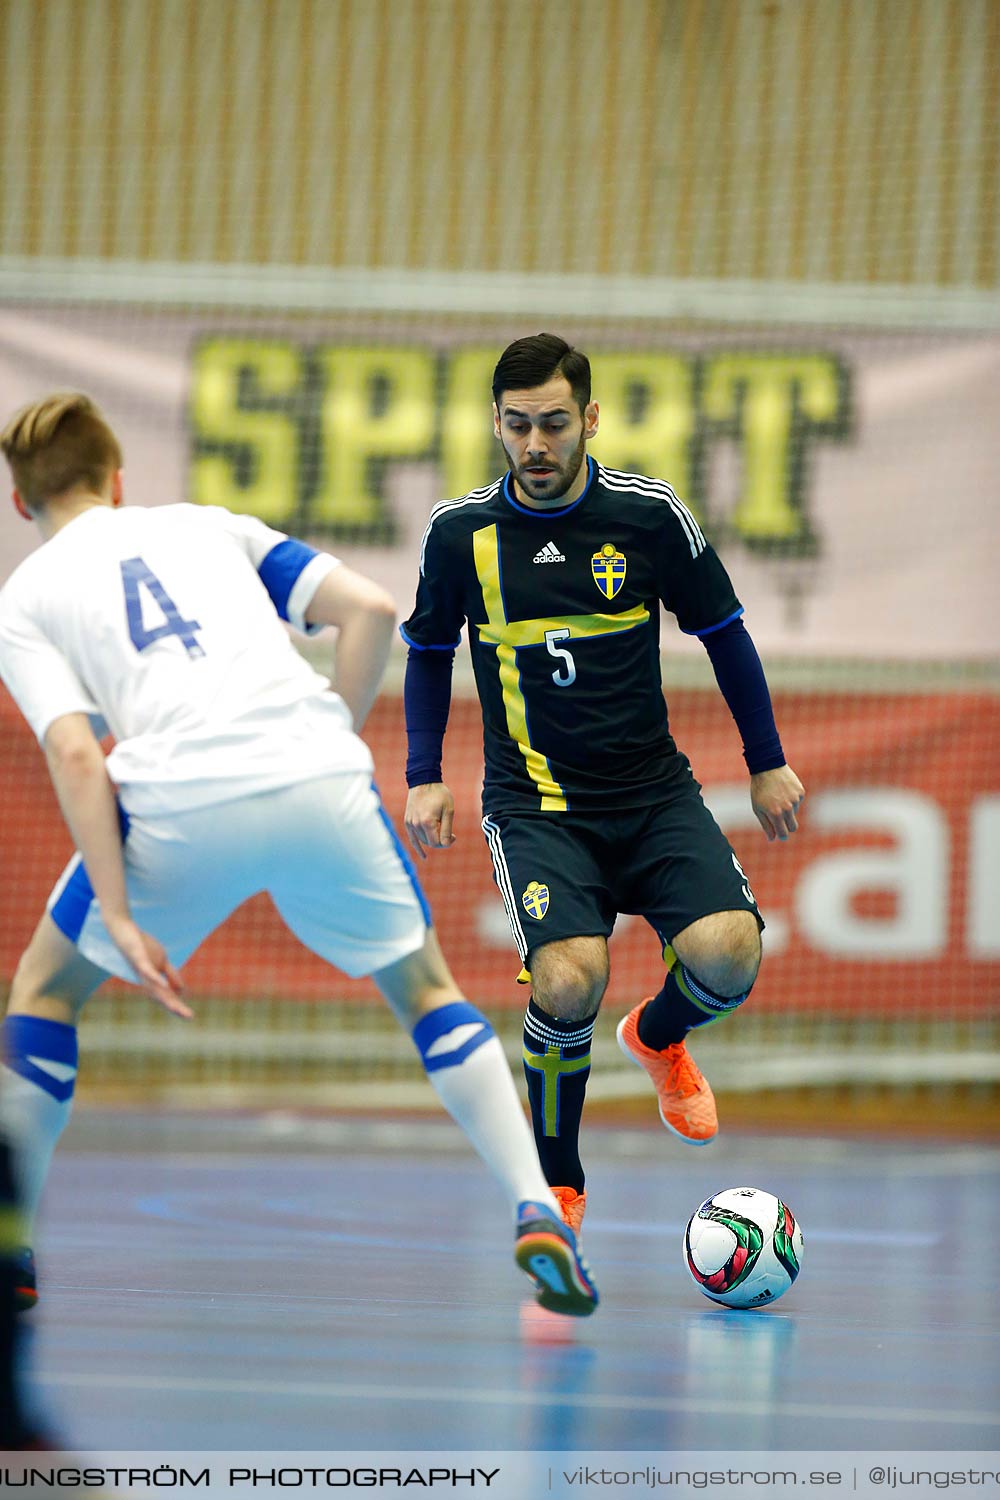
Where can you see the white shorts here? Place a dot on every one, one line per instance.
(324, 850)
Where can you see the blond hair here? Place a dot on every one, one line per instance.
(59, 443)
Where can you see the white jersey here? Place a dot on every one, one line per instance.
(166, 623)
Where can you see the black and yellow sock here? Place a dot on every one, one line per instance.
(557, 1065)
(13, 1429)
(681, 1005)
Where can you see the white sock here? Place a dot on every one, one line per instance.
(469, 1073)
(36, 1097)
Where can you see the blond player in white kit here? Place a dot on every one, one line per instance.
(236, 769)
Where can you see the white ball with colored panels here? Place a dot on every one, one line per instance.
(743, 1247)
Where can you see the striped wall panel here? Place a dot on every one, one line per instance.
(836, 141)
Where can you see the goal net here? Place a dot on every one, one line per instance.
(775, 232)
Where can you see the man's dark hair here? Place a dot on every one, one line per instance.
(534, 360)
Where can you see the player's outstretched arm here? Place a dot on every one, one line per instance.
(776, 796)
(87, 798)
(365, 615)
(430, 813)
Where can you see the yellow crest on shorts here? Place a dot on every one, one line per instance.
(535, 900)
(608, 567)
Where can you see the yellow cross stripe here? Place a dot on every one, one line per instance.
(12, 1231)
(486, 553)
(553, 796)
(551, 1066)
(518, 633)
(509, 636)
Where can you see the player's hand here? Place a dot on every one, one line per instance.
(430, 812)
(776, 797)
(152, 967)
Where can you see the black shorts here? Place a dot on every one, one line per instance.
(564, 875)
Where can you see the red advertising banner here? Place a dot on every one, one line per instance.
(887, 901)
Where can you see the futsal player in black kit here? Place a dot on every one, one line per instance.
(590, 810)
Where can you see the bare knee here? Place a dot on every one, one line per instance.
(722, 951)
(52, 980)
(568, 978)
(419, 983)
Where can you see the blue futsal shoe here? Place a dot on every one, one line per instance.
(25, 1280)
(546, 1250)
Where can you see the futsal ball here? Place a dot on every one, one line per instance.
(743, 1247)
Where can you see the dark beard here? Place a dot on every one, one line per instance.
(569, 474)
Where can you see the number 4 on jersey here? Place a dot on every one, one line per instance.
(136, 575)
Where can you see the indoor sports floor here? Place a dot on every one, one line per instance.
(265, 1282)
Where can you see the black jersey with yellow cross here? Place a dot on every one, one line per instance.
(563, 614)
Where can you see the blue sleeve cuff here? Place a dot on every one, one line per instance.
(280, 569)
(741, 680)
(711, 629)
(417, 646)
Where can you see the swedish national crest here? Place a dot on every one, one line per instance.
(608, 567)
(535, 900)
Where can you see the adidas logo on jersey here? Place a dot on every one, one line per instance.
(549, 553)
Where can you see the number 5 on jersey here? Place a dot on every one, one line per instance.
(565, 674)
(135, 576)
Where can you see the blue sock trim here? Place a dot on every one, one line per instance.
(431, 1028)
(27, 1037)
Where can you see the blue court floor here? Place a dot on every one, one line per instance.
(273, 1283)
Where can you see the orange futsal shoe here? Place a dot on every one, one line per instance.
(687, 1104)
(571, 1205)
(25, 1281)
